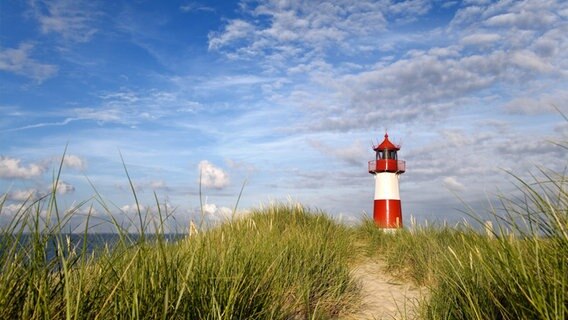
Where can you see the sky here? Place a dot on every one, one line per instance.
(282, 100)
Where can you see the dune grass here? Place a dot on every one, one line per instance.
(277, 263)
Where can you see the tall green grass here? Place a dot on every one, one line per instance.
(281, 262)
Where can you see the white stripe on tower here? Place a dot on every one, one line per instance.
(386, 186)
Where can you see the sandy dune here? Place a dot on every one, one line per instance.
(383, 296)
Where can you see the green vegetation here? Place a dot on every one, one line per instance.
(518, 272)
(283, 262)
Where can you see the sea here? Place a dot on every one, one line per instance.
(87, 244)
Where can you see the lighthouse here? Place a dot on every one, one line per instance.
(387, 169)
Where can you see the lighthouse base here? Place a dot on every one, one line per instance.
(387, 214)
(390, 230)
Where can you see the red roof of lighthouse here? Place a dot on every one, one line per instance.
(386, 145)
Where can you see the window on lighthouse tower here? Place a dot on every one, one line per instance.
(386, 154)
(392, 154)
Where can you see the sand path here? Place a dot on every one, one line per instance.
(383, 296)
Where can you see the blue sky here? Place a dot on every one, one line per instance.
(288, 96)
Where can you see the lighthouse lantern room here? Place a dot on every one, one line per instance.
(387, 169)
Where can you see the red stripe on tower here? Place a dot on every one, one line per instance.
(387, 169)
(387, 214)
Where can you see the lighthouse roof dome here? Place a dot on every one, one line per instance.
(386, 145)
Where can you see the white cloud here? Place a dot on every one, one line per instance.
(235, 30)
(18, 61)
(538, 103)
(551, 44)
(453, 184)
(522, 19)
(421, 86)
(131, 209)
(23, 195)
(64, 187)
(195, 6)
(130, 107)
(217, 213)
(221, 213)
(480, 39)
(411, 8)
(561, 130)
(477, 2)
(529, 60)
(241, 165)
(455, 138)
(212, 176)
(101, 115)
(427, 85)
(10, 168)
(42, 124)
(12, 208)
(129, 217)
(473, 159)
(158, 184)
(152, 185)
(87, 210)
(72, 19)
(356, 154)
(73, 161)
(453, 68)
(315, 25)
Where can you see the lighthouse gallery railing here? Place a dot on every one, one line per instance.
(389, 165)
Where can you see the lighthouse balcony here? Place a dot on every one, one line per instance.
(387, 165)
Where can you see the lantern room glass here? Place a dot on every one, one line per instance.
(386, 154)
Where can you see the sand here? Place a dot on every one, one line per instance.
(384, 296)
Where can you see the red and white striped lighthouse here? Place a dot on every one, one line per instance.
(387, 168)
